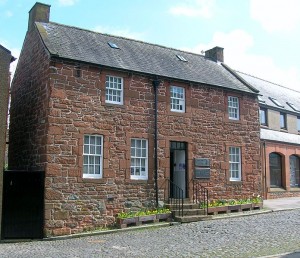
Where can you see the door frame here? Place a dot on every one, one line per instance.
(174, 146)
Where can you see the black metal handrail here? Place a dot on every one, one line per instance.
(200, 195)
(178, 193)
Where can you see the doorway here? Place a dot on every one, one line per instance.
(178, 169)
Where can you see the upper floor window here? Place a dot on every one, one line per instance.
(282, 120)
(233, 108)
(139, 159)
(298, 123)
(263, 116)
(235, 164)
(92, 156)
(114, 90)
(177, 99)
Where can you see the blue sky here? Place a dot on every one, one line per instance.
(260, 37)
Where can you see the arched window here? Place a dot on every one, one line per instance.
(275, 170)
(294, 171)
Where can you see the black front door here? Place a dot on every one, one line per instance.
(23, 204)
(178, 169)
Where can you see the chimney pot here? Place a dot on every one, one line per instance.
(38, 13)
(216, 54)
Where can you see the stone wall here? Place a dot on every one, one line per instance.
(29, 107)
(77, 107)
(54, 106)
(5, 60)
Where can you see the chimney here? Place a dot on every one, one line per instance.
(216, 54)
(38, 13)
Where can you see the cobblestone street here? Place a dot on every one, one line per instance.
(249, 236)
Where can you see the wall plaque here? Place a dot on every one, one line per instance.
(202, 162)
(202, 173)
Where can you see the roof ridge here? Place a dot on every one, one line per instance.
(122, 37)
(267, 81)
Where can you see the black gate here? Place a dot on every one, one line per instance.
(23, 204)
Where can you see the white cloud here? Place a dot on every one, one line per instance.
(276, 15)
(237, 45)
(194, 8)
(119, 32)
(67, 2)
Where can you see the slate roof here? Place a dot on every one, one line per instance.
(280, 93)
(271, 135)
(92, 47)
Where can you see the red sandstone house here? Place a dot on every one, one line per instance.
(280, 137)
(110, 121)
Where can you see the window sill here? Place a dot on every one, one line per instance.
(138, 181)
(93, 180)
(277, 189)
(295, 189)
(235, 182)
(114, 105)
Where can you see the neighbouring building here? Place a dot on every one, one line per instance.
(280, 137)
(5, 59)
(111, 121)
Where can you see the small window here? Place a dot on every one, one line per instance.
(113, 45)
(235, 164)
(92, 156)
(181, 58)
(298, 123)
(233, 108)
(282, 120)
(139, 159)
(263, 116)
(276, 102)
(293, 106)
(177, 99)
(114, 90)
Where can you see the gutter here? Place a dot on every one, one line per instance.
(155, 83)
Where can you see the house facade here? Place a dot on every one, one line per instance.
(5, 59)
(280, 138)
(111, 121)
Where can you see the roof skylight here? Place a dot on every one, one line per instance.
(293, 106)
(276, 102)
(181, 58)
(113, 45)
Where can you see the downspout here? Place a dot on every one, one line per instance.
(265, 171)
(155, 86)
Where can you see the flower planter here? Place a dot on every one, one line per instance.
(147, 218)
(246, 206)
(123, 223)
(217, 209)
(234, 208)
(163, 216)
(257, 206)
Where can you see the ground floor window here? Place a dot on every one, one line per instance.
(275, 170)
(235, 163)
(139, 159)
(92, 156)
(294, 171)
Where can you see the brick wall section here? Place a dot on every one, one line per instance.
(52, 110)
(29, 103)
(77, 107)
(5, 60)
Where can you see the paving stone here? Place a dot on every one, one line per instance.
(248, 236)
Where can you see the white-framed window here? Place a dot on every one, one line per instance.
(92, 156)
(114, 90)
(139, 159)
(282, 120)
(235, 164)
(233, 108)
(298, 123)
(263, 116)
(177, 99)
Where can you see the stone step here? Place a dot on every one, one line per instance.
(189, 212)
(195, 218)
(185, 200)
(185, 206)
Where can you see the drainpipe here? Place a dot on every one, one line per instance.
(265, 171)
(155, 86)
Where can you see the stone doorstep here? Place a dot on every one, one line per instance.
(188, 219)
